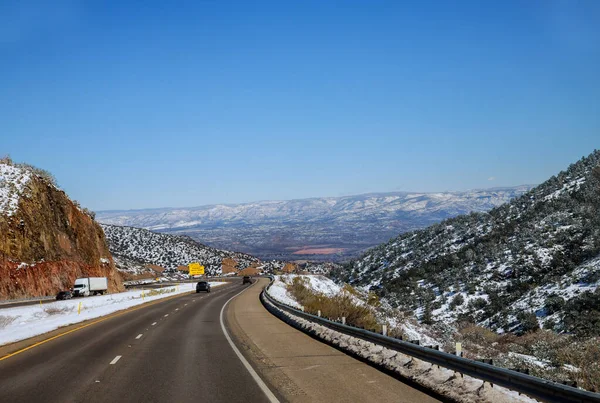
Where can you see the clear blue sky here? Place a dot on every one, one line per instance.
(149, 104)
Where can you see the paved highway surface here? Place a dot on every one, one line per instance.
(176, 350)
(302, 369)
(173, 351)
(45, 300)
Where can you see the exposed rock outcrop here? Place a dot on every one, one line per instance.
(46, 240)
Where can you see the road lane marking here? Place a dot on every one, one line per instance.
(270, 396)
(114, 361)
(146, 305)
(138, 336)
(185, 305)
(166, 315)
(176, 309)
(154, 324)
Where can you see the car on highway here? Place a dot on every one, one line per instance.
(203, 286)
(246, 280)
(64, 295)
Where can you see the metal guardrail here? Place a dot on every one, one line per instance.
(532, 386)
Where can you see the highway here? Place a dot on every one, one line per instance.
(173, 351)
(177, 350)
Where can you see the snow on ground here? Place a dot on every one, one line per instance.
(20, 323)
(279, 292)
(326, 286)
(12, 184)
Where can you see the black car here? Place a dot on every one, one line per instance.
(247, 280)
(64, 295)
(203, 286)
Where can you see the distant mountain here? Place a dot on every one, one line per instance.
(332, 227)
(135, 248)
(532, 261)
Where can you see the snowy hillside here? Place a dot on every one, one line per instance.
(13, 182)
(534, 257)
(324, 228)
(137, 245)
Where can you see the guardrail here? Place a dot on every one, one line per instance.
(532, 386)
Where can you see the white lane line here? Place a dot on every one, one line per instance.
(154, 324)
(166, 315)
(114, 361)
(139, 336)
(251, 370)
(185, 305)
(176, 309)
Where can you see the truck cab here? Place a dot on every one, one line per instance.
(81, 289)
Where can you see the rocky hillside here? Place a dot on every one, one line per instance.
(141, 246)
(312, 229)
(532, 261)
(46, 240)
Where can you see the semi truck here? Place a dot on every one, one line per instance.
(87, 286)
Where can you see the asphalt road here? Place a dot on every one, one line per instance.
(14, 304)
(172, 351)
(304, 370)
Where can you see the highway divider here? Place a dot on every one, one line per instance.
(537, 388)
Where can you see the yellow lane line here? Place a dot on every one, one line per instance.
(92, 323)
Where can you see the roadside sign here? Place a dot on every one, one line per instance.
(196, 269)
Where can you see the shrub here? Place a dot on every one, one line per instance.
(338, 306)
(6, 320)
(458, 300)
(529, 322)
(55, 310)
(45, 175)
(585, 357)
(554, 303)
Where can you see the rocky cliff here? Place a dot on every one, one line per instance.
(46, 240)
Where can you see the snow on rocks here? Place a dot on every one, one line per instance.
(13, 182)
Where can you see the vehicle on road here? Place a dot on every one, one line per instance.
(87, 286)
(64, 295)
(246, 280)
(203, 286)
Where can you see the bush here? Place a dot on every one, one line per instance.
(458, 300)
(6, 320)
(529, 322)
(338, 306)
(585, 357)
(45, 175)
(553, 304)
(55, 311)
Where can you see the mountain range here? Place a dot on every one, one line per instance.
(533, 261)
(329, 228)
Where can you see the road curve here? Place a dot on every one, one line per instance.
(173, 351)
(302, 369)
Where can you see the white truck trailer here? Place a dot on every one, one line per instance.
(90, 286)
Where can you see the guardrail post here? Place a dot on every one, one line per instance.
(343, 320)
(79, 309)
(319, 313)
(302, 307)
(384, 330)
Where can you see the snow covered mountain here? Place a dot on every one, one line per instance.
(308, 228)
(532, 261)
(133, 248)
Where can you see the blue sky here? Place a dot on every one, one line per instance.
(135, 106)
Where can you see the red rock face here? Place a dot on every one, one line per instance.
(47, 278)
(48, 243)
